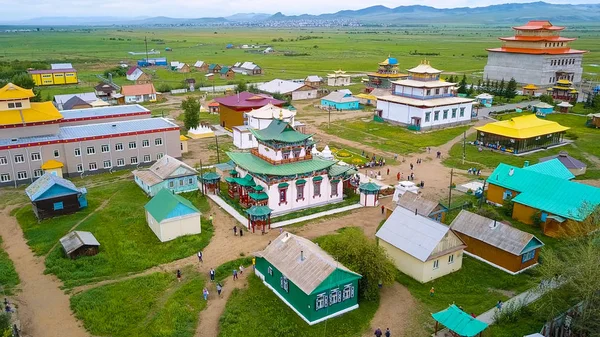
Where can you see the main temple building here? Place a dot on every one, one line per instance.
(536, 54)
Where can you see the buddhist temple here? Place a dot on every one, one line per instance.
(537, 55)
(563, 90)
(339, 78)
(388, 71)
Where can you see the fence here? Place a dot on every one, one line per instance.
(178, 91)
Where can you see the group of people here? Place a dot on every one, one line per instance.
(379, 333)
(373, 160)
(474, 171)
(7, 307)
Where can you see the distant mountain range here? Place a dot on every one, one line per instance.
(496, 14)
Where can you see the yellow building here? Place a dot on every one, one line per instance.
(16, 109)
(59, 74)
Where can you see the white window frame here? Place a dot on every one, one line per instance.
(104, 148)
(158, 142)
(145, 143)
(90, 150)
(119, 147)
(451, 259)
(321, 301)
(147, 158)
(93, 166)
(38, 173)
(335, 296)
(35, 156)
(132, 145)
(19, 158)
(284, 284)
(159, 155)
(107, 166)
(4, 177)
(3, 161)
(348, 292)
(56, 153)
(77, 152)
(436, 264)
(79, 168)
(21, 175)
(120, 162)
(133, 160)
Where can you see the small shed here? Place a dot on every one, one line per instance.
(575, 166)
(340, 101)
(564, 106)
(53, 167)
(593, 120)
(369, 194)
(78, 243)
(542, 109)
(170, 216)
(485, 99)
(458, 322)
(52, 195)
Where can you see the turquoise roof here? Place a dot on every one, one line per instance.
(392, 61)
(259, 196)
(548, 193)
(258, 211)
(459, 321)
(369, 187)
(210, 176)
(51, 186)
(224, 70)
(247, 181)
(254, 164)
(338, 170)
(552, 168)
(279, 131)
(166, 205)
(533, 244)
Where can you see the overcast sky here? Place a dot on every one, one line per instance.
(24, 9)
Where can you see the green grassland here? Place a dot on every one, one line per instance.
(461, 49)
(9, 278)
(127, 243)
(149, 306)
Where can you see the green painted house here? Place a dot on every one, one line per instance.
(307, 279)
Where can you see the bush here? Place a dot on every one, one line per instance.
(488, 213)
(4, 322)
(163, 87)
(537, 219)
(507, 207)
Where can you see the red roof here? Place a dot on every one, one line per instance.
(138, 89)
(555, 51)
(537, 38)
(538, 25)
(213, 104)
(52, 71)
(131, 70)
(247, 100)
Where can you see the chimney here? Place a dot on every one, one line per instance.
(301, 255)
(416, 211)
(511, 171)
(494, 224)
(526, 163)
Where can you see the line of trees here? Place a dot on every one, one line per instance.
(504, 89)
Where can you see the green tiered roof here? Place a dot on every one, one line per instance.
(259, 196)
(256, 165)
(210, 176)
(369, 187)
(259, 211)
(279, 131)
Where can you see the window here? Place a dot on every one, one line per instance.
(285, 155)
(462, 112)
(282, 195)
(105, 148)
(335, 296)
(58, 206)
(321, 301)
(348, 292)
(93, 167)
(428, 92)
(5, 177)
(159, 155)
(190, 181)
(284, 284)
(133, 160)
(158, 141)
(454, 113)
(181, 182)
(90, 150)
(19, 158)
(436, 115)
(119, 147)
(77, 152)
(56, 154)
(317, 188)
(171, 184)
(437, 91)
(427, 116)
(250, 137)
(451, 259)
(147, 158)
(445, 116)
(120, 162)
(507, 195)
(37, 173)
(132, 145)
(79, 168)
(270, 271)
(107, 164)
(300, 192)
(21, 175)
(334, 188)
(36, 156)
(436, 264)
(15, 105)
(3, 161)
(145, 143)
(527, 256)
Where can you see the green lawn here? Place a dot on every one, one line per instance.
(392, 138)
(149, 306)
(126, 242)
(257, 311)
(9, 278)
(226, 269)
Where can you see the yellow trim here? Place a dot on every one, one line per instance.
(522, 127)
(52, 164)
(13, 91)
(530, 87)
(183, 138)
(39, 112)
(366, 96)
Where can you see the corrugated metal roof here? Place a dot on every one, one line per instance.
(138, 89)
(459, 321)
(163, 169)
(339, 97)
(314, 78)
(162, 205)
(76, 239)
(415, 235)
(254, 164)
(103, 111)
(86, 96)
(74, 101)
(284, 253)
(492, 232)
(412, 202)
(568, 161)
(278, 86)
(553, 168)
(55, 66)
(279, 131)
(46, 182)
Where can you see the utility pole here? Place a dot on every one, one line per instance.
(329, 122)
(482, 196)
(201, 174)
(217, 142)
(450, 190)
(146, 43)
(464, 146)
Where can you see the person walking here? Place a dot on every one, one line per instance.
(241, 232)
(388, 333)
(210, 219)
(382, 209)
(431, 292)
(439, 155)
(205, 294)
(253, 263)
(235, 230)
(200, 256)
(235, 274)
(388, 171)
(398, 176)
(378, 332)
(212, 275)
(411, 166)
(219, 289)
(178, 275)
(499, 305)
(241, 269)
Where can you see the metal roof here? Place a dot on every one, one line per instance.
(553, 168)
(55, 66)
(279, 131)
(77, 239)
(339, 97)
(163, 169)
(307, 273)
(494, 233)
(459, 321)
(86, 96)
(103, 111)
(568, 161)
(415, 235)
(523, 127)
(74, 101)
(254, 164)
(247, 100)
(44, 183)
(162, 205)
(314, 78)
(278, 86)
(271, 111)
(412, 202)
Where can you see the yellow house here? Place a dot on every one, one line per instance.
(59, 74)
(419, 246)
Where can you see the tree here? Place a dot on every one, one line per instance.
(354, 250)
(253, 89)
(511, 89)
(462, 86)
(191, 112)
(546, 99)
(500, 90)
(23, 80)
(487, 84)
(479, 86)
(241, 87)
(589, 102)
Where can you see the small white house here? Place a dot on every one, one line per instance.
(297, 91)
(170, 216)
(139, 93)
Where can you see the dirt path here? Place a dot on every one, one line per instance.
(43, 308)
(395, 311)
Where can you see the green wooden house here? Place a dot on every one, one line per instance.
(307, 279)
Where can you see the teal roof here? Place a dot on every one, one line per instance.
(248, 180)
(300, 181)
(283, 185)
(552, 168)
(459, 321)
(548, 193)
(258, 188)
(211, 176)
(259, 196)
(258, 210)
(254, 164)
(338, 170)
(166, 205)
(212, 66)
(224, 70)
(279, 131)
(370, 187)
(51, 186)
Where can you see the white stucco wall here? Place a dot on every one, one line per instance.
(304, 94)
(310, 199)
(173, 228)
(403, 114)
(244, 140)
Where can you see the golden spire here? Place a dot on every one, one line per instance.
(280, 114)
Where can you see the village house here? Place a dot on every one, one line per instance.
(296, 91)
(75, 103)
(340, 100)
(158, 61)
(167, 173)
(139, 93)
(575, 166)
(59, 74)
(259, 119)
(109, 93)
(542, 193)
(214, 68)
(170, 216)
(420, 247)
(498, 244)
(79, 243)
(313, 81)
(180, 67)
(339, 78)
(227, 73)
(52, 195)
(201, 66)
(425, 207)
(593, 120)
(485, 99)
(424, 101)
(137, 75)
(233, 108)
(247, 68)
(59, 100)
(307, 279)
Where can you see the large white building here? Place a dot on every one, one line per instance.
(424, 101)
(339, 78)
(259, 119)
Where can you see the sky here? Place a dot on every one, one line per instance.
(25, 9)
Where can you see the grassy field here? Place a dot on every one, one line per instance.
(257, 312)
(9, 278)
(127, 243)
(149, 306)
(392, 138)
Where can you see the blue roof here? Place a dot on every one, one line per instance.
(102, 111)
(51, 186)
(392, 60)
(552, 168)
(94, 130)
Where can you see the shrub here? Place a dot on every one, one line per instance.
(507, 207)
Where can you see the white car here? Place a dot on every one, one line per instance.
(403, 187)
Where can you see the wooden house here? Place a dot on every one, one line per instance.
(594, 120)
(428, 208)
(52, 195)
(420, 247)
(313, 81)
(75, 103)
(171, 216)
(214, 68)
(78, 243)
(201, 66)
(105, 91)
(227, 73)
(307, 279)
(500, 245)
(137, 75)
(168, 173)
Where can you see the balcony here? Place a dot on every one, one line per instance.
(282, 161)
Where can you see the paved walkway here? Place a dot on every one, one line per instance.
(485, 112)
(232, 211)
